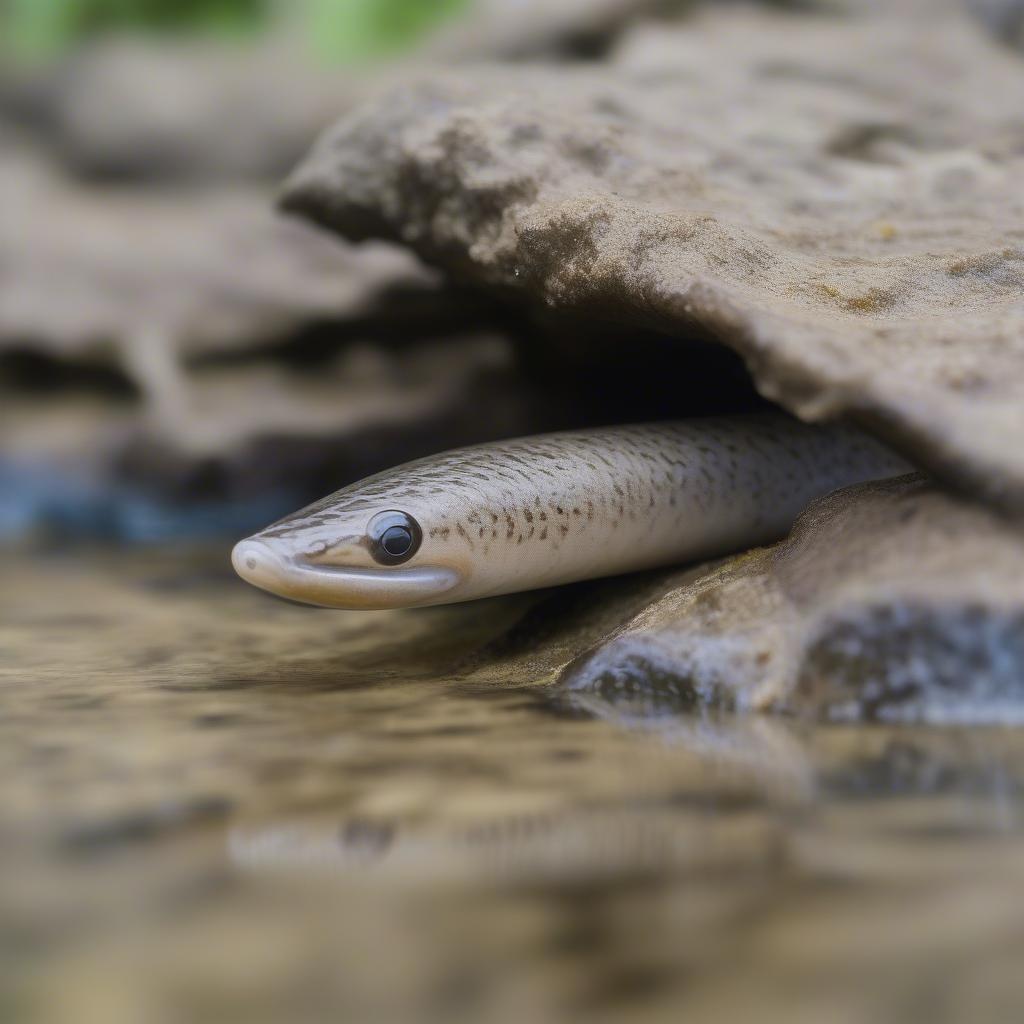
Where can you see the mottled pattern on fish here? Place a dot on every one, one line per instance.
(536, 511)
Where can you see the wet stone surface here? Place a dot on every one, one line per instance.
(889, 600)
(216, 805)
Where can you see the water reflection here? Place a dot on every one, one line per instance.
(975, 769)
(623, 787)
(213, 799)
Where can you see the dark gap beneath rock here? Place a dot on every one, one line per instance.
(33, 372)
(145, 484)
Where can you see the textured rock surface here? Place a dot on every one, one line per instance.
(888, 600)
(812, 191)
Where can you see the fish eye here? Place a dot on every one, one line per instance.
(394, 537)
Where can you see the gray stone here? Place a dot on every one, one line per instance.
(532, 29)
(889, 600)
(170, 109)
(1003, 18)
(812, 191)
(144, 277)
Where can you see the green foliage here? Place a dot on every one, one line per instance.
(33, 27)
(344, 30)
(363, 29)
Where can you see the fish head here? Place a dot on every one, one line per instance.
(355, 556)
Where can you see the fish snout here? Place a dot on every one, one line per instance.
(257, 563)
(339, 586)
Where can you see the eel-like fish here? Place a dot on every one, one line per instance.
(538, 511)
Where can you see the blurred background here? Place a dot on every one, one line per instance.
(217, 806)
(178, 360)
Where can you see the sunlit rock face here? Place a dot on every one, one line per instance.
(789, 184)
(888, 600)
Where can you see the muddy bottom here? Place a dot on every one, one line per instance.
(215, 805)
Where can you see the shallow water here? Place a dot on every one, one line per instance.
(215, 805)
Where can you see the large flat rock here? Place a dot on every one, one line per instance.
(837, 199)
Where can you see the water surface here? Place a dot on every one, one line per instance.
(216, 805)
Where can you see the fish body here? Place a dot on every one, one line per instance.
(539, 511)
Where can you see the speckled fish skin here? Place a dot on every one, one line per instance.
(538, 511)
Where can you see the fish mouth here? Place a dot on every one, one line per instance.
(347, 587)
